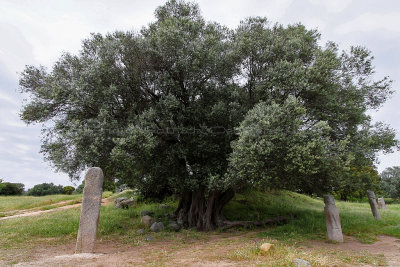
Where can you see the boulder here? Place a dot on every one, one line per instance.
(140, 231)
(157, 227)
(123, 202)
(174, 226)
(147, 212)
(163, 206)
(147, 220)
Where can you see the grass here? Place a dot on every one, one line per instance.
(281, 254)
(120, 225)
(13, 203)
(309, 222)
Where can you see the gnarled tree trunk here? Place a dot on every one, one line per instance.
(204, 213)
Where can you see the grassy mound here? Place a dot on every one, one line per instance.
(121, 224)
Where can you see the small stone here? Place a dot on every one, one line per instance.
(147, 220)
(157, 227)
(266, 247)
(301, 263)
(140, 231)
(149, 238)
(163, 206)
(147, 212)
(174, 226)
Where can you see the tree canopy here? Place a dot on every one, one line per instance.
(390, 181)
(164, 109)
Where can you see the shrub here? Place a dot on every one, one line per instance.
(9, 189)
(46, 189)
(68, 189)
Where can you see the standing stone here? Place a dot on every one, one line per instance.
(373, 204)
(90, 211)
(332, 220)
(381, 203)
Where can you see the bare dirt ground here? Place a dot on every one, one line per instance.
(210, 252)
(25, 213)
(386, 245)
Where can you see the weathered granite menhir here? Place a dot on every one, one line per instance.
(373, 204)
(332, 220)
(90, 211)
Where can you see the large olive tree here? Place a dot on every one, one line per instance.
(158, 108)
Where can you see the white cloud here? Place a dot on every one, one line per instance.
(332, 6)
(369, 22)
(6, 97)
(230, 14)
(53, 27)
(315, 23)
(15, 51)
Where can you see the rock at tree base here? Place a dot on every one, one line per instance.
(147, 220)
(373, 204)
(90, 211)
(174, 226)
(140, 232)
(381, 203)
(149, 238)
(163, 206)
(123, 202)
(266, 247)
(301, 263)
(146, 212)
(157, 227)
(332, 219)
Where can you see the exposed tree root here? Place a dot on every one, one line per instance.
(246, 224)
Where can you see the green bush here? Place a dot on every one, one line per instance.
(68, 189)
(46, 189)
(10, 189)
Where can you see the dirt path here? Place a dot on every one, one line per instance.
(210, 252)
(25, 213)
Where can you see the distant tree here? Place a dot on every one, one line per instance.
(9, 189)
(46, 189)
(1, 184)
(68, 189)
(354, 183)
(390, 182)
(79, 188)
(158, 109)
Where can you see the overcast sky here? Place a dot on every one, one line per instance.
(36, 32)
